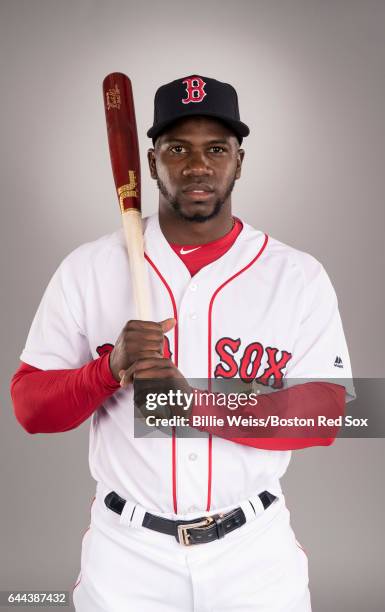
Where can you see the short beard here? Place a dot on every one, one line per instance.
(197, 218)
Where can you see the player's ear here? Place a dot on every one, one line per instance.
(151, 163)
(240, 157)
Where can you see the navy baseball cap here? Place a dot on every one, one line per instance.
(196, 95)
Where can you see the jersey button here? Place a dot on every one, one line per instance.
(193, 287)
(193, 316)
(192, 509)
(193, 456)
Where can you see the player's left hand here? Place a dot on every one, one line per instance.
(155, 375)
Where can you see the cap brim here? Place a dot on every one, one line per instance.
(240, 129)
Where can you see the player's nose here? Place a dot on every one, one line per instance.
(197, 164)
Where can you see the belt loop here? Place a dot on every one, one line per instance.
(133, 516)
(251, 508)
(254, 507)
(127, 514)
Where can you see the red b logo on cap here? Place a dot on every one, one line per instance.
(194, 89)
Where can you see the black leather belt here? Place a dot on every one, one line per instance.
(198, 531)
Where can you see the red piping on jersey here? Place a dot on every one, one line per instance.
(210, 462)
(174, 495)
(165, 283)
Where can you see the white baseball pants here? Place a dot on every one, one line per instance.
(126, 567)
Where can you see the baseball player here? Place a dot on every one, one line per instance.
(186, 523)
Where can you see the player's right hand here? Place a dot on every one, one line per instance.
(138, 340)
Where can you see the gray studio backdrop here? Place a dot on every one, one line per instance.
(310, 77)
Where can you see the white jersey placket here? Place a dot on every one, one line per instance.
(193, 300)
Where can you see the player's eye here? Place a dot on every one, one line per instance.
(217, 149)
(177, 149)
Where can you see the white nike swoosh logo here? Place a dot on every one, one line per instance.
(183, 252)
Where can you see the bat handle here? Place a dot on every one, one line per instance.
(132, 226)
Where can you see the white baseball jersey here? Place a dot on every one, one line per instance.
(262, 308)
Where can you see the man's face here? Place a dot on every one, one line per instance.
(195, 163)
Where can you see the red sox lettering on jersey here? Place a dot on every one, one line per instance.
(248, 366)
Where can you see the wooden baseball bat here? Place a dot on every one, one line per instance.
(125, 161)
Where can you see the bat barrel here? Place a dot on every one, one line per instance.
(123, 139)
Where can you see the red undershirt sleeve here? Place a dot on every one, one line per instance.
(49, 401)
(304, 401)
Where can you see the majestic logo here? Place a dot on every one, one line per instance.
(194, 89)
(184, 252)
(338, 362)
(249, 364)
